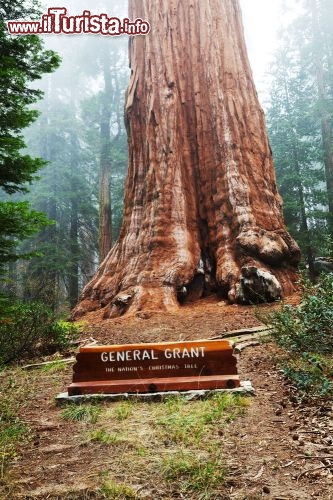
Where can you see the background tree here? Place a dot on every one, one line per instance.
(300, 125)
(320, 52)
(105, 110)
(198, 160)
(295, 140)
(66, 193)
(68, 135)
(22, 61)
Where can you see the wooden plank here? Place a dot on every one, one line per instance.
(241, 346)
(243, 331)
(47, 363)
(154, 385)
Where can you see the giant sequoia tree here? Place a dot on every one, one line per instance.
(202, 212)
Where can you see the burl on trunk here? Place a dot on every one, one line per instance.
(202, 213)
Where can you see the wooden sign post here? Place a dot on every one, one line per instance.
(159, 367)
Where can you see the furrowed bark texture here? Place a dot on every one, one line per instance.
(202, 212)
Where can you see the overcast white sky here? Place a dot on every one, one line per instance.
(262, 19)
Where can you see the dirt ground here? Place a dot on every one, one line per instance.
(281, 448)
(199, 320)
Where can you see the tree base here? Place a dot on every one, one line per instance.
(254, 286)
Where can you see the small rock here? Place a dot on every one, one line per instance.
(295, 437)
(265, 489)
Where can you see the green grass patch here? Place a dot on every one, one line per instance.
(55, 367)
(185, 422)
(14, 392)
(105, 437)
(11, 433)
(123, 410)
(88, 413)
(194, 473)
(172, 446)
(117, 491)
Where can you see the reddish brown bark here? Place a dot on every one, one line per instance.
(202, 212)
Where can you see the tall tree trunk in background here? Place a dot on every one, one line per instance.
(105, 214)
(49, 278)
(43, 282)
(73, 278)
(303, 220)
(324, 107)
(202, 212)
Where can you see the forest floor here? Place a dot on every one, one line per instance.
(272, 445)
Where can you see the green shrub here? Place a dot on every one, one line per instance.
(306, 332)
(308, 327)
(307, 379)
(30, 329)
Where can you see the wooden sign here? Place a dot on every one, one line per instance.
(138, 368)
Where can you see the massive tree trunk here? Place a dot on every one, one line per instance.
(202, 212)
